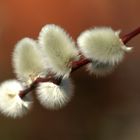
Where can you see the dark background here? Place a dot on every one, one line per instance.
(102, 108)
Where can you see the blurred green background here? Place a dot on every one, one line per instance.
(102, 108)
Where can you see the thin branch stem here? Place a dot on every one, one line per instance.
(78, 64)
(130, 35)
(36, 82)
(75, 66)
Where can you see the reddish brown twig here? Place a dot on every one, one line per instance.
(36, 82)
(78, 64)
(130, 35)
(75, 66)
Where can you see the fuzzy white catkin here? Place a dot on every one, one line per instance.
(102, 44)
(53, 96)
(11, 104)
(59, 49)
(28, 62)
(100, 69)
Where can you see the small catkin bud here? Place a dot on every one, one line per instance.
(54, 96)
(103, 45)
(28, 61)
(11, 104)
(59, 49)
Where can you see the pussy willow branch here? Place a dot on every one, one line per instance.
(75, 66)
